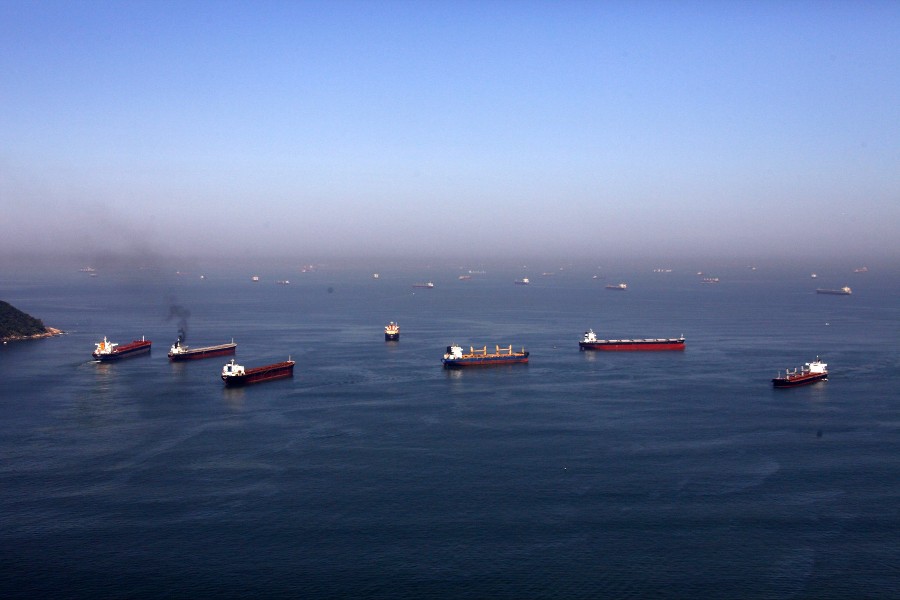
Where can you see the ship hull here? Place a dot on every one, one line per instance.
(833, 292)
(484, 361)
(133, 349)
(391, 337)
(785, 382)
(260, 374)
(633, 345)
(207, 352)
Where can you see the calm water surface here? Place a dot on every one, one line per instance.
(376, 473)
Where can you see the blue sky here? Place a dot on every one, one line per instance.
(573, 129)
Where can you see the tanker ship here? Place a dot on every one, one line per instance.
(107, 350)
(590, 342)
(454, 358)
(180, 352)
(808, 373)
(234, 374)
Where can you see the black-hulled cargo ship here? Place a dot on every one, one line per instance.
(108, 351)
(809, 373)
(234, 374)
(844, 291)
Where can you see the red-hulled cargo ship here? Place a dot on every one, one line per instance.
(455, 358)
(180, 352)
(811, 372)
(107, 350)
(590, 342)
(234, 374)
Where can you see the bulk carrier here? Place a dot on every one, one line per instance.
(179, 352)
(391, 332)
(590, 342)
(811, 372)
(455, 358)
(234, 374)
(108, 351)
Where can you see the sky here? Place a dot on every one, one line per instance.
(445, 129)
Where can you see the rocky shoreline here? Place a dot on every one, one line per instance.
(48, 332)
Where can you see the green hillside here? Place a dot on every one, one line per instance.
(14, 323)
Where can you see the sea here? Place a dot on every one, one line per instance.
(375, 473)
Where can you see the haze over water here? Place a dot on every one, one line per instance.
(344, 129)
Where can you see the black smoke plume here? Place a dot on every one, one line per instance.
(181, 314)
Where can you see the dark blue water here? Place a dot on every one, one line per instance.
(375, 473)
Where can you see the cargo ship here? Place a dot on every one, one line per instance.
(844, 291)
(180, 352)
(590, 342)
(426, 285)
(455, 358)
(391, 332)
(234, 374)
(617, 286)
(107, 350)
(808, 373)
(523, 281)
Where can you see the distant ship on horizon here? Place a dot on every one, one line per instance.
(844, 291)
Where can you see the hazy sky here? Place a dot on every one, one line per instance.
(426, 128)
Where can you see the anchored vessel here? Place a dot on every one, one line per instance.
(590, 342)
(523, 281)
(180, 352)
(391, 332)
(809, 373)
(455, 357)
(427, 284)
(617, 286)
(107, 350)
(844, 291)
(234, 374)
